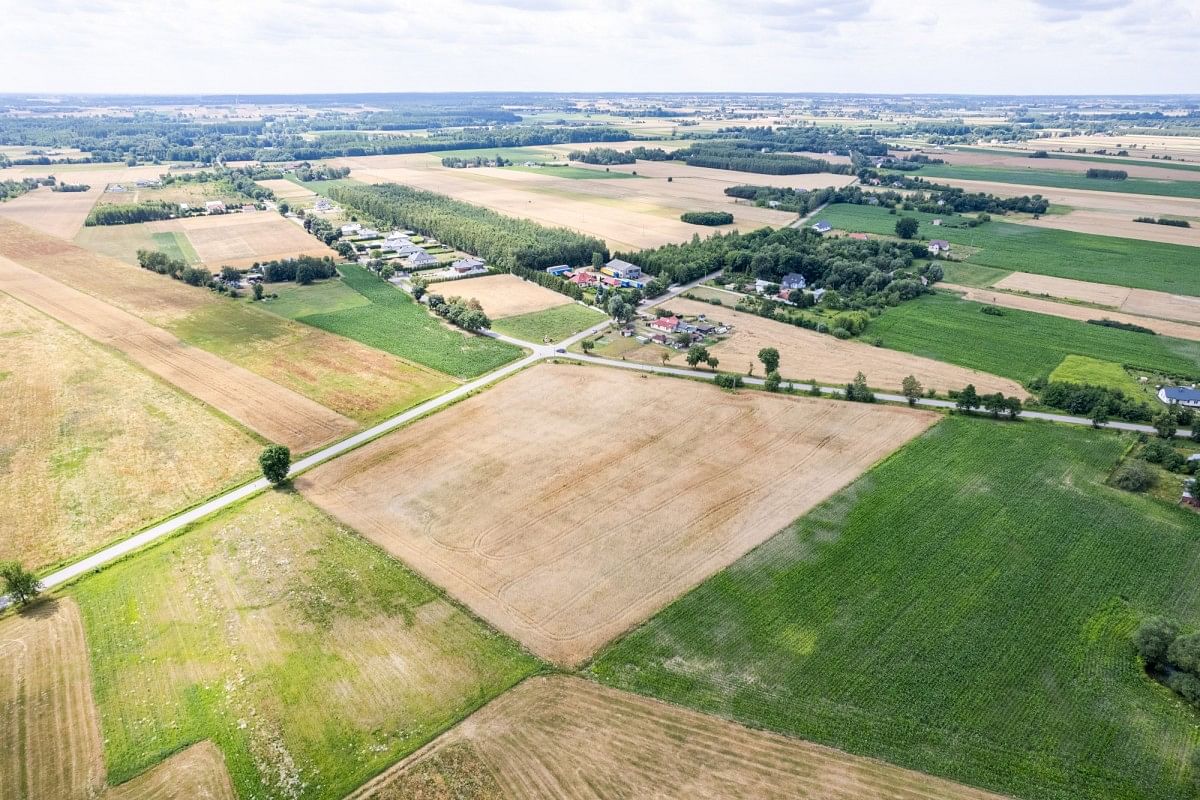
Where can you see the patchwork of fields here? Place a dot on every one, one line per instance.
(963, 609)
(1058, 179)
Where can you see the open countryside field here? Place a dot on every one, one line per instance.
(566, 737)
(1062, 254)
(503, 295)
(1171, 187)
(1132, 301)
(350, 378)
(1182, 148)
(276, 413)
(1130, 205)
(629, 214)
(1117, 223)
(238, 240)
(1020, 344)
(1011, 159)
(92, 448)
(309, 658)
(948, 613)
(806, 354)
(285, 189)
(62, 213)
(582, 524)
(552, 324)
(197, 773)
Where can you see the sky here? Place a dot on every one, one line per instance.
(874, 46)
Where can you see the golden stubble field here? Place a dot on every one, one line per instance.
(629, 214)
(239, 240)
(1139, 302)
(806, 354)
(1115, 205)
(1019, 159)
(91, 447)
(570, 503)
(566, 737)
(504, 295)
(62, 213)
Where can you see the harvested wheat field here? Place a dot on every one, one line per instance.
(1018, 159)
(62, 213)
(1114, 223)
(91, 447)
(597, 496)
(286, 190)
(1141, 302)
(238, 240)
(51, 745)
(197, 773)
(1038, 305)
(806, 354)
(505, 295)
(341, 374)
(567, 737)
(1183, 148)
(276, 413)
(1131, 205)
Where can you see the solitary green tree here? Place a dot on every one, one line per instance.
(1165, 424)
(911, 387)
(712, 362)
(769, 357)
(587, 345)
(20, 584)
(906, 227)
(696, 353)
(1099, 416)
(772, 382)
(275, 461)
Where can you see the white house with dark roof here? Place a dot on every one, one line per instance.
(418, 260)
(822, 227)
(938, 246)
(793, 280)
(1186, 396)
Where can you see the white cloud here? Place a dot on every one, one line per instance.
(1022, 46)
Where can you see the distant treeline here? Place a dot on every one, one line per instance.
(504, 242)
(1107, 174)
(743, 159)
(605, 156)
(457, 162)
(131, 213)
(160, 262)
(841, 141)
(1175, 223)
(11, 189)
(707, 217)
(70, 187)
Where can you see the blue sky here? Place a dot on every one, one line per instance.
(894, 46)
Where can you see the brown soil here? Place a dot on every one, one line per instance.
(806, 354)
(567, 737)
(276, 413)
(569, 503)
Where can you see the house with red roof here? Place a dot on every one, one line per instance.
(665, 324)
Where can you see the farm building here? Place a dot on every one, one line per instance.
(622, 269)
(822, 227)
(468, 266)
(1186, 396)
(561, 269)
(214, 207)
(793, 280)
(939, 246)
(351, 229)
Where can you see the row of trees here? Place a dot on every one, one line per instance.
(301, 269)
(466, 314)
(504, 242)
(996, 404)
(131, 213)
(1107, 174)
(603, 156)
(1175, 223)
(812, 139)
(70, 187)
(458, 162)
(707, 217)
(743, 159)
(1091, 401)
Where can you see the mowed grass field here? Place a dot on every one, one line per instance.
(310, 658)
(1063, 254)
(1062, 180)
(964, 609)
(1021, 345)
(395, 323)
(92, 448)
(553, 323)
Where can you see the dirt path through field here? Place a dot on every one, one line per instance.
(1140, 302)
(571, 738)
(276, 413)
(569, 503)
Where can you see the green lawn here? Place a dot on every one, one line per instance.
(309, 657)
(575, 173)
(321, 187)
(556, 323)
(964, 609)
(175, 245)
(392, 321)
(965, 273)
(1032, 176)
(1095, 372)
(1021, 345)
(1045, 251)
(324, 297)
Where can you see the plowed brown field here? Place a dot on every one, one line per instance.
(569, 503)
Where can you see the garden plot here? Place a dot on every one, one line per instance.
(568, 503)
(566, 737)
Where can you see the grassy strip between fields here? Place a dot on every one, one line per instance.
(964, 609)
(1021, 345)
(1045, 251)
(574, 173)
(394, 322)
(309, 657)
(554, 323)
(1032, 176)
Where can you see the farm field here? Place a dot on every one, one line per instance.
(1174, 186)
(601, 532)
(552, 324)
(1127, 205)
(238, 240)
(628, 214)
(948, 613)
(348, 377)
(194, 194)
(1038, 305)
(92, 448)
(807, 354)
(1061, 254)
(286, 190)
(1021, 345)
(566, 737)
(274, 412)
(1178, 147)
(197, 773)
(1011, 159)
(1116, 223)
(1132, 301)
(503, 295)
(62, 213)
(1094, 372)
(395, 323)
(571, 172)
(231, 631)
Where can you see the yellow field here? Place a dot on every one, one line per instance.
(91, 447)
(62, 213)
(286, 190)
(1141, 302)
(504, 295)
(238, 240)
(1128, 205)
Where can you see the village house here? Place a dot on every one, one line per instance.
(822, 227)
(351, 229)
(468, 266)
(1186, 396)
(583, 278)
(793, 280)
(418, 260)
(214, 207)
(665, 324)
(938, 246)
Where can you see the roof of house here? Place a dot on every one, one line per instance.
(823, 226)
(940, 243)
(617, 263)
(1182, 394)
(583, 277)
(666, 322)
(793, 278)
(858, 236)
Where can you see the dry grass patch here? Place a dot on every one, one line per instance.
(286, 190)
(504, 295)
(569, 503)
(1141, 302)
(238, 240)
(91, 447)
(197, 773)
(806, 354)
(62, 213)
(1115, 223)
(566, 737)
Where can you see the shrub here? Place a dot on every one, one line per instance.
(1107, 174)
(20, 584)
(1134, 476)
(1124, 326)
(992, 311)
(707, 217)
(906, 227)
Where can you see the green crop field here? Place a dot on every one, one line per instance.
(534, 153)
(392, 321)
(964, 609)
(1095, 372)
(323, 297)
(575, 173)
(1045, 251)
(309, 657)
(1021, 345)
(556, 323)
(176, 245)
(1032, 176)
